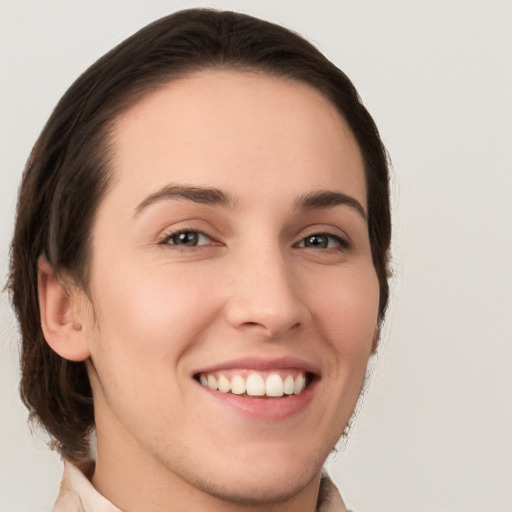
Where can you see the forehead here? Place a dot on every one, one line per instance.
(236, 130)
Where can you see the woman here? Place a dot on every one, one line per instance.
(199, 269)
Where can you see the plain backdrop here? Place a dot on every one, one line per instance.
(435, 430)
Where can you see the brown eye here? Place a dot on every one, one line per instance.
(317, 241)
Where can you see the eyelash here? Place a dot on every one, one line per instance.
(341, 243)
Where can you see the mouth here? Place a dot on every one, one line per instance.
(250, 383)
(261, 389)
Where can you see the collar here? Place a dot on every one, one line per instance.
(77, 494)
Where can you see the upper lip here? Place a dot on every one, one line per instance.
(262, 364)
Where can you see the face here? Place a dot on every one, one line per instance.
(234, 296)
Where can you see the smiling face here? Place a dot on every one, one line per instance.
(231, 252)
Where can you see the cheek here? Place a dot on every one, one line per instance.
(148, 320)
(348, 312)
(146, 325)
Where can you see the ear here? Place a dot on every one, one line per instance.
(61, 318)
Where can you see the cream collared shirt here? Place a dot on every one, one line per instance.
(78, 495)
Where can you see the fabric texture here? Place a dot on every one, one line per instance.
(77, 494)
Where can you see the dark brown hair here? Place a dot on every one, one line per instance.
(67, 175)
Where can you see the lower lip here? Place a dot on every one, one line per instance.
(262, 408)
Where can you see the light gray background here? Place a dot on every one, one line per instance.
(434, 433)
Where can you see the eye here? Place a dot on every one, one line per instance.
(187, 238)
(323, 241)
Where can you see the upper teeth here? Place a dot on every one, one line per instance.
(255, 384)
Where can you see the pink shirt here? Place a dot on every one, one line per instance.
(78, 495)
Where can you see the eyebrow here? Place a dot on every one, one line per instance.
(202, 195)
(328, 199)
(215, 197)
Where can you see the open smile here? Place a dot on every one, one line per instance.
(269, 390)
(275, 383)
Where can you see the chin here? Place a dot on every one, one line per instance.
(269, 476)
(258, 489)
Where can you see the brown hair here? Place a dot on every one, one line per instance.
(66, 177)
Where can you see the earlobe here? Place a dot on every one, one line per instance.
(61, 320)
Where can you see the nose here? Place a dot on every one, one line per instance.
(265, 296)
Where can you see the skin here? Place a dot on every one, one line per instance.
(158, 312)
